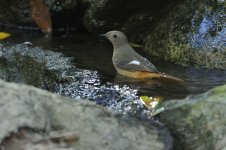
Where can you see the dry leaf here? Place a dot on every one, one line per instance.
(41, 15)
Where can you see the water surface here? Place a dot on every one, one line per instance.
(94, 53)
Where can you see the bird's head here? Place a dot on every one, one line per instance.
(117, 38)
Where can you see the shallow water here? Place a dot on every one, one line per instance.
(94, 53)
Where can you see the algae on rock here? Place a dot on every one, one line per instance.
(197, 122)
(193, 33)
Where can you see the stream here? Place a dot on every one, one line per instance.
(101, 84)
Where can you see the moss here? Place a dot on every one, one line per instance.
(220, 90)
(184, 54)
(177, 38)
(196, 122)
(24, 69)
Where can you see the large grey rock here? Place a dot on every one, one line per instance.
(92, 127)
(192, 33)
(197, 122)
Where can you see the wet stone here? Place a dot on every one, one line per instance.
(57, 73)
(197, 122)
(37, 119)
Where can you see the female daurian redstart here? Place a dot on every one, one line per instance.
(128, 62)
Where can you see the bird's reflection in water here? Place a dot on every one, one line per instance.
(163, 87)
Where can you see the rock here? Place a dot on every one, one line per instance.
(130, 16)
(197, 122)
(33, 118)
(52, 71)
(24, 63)
(15, 12)
(193, 33)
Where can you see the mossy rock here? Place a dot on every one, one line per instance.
(193, 33)
(23, 63)
(197, 122)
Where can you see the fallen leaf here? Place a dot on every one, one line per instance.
(153, 104)
(4, 35)
(150, 102)
(41, 15)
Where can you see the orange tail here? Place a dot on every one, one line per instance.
(146, 75)
(170, 77)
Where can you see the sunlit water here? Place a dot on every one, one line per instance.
(94, 53)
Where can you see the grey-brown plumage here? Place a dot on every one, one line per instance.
(128, 62)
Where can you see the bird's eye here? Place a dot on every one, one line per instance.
(115, 36)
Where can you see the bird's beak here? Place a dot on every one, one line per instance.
(102, 35)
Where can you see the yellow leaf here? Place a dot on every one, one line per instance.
(4, 35)
(150, 102)
(145, 100)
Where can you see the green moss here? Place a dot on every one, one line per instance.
(196, 122)
(185, 55)
(24, 69)
(220, 90)
(174, 38)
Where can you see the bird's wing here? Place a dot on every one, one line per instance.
(140, 64)
(130, 60)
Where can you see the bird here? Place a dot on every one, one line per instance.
(128, 62)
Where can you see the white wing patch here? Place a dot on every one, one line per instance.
(134, 62)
